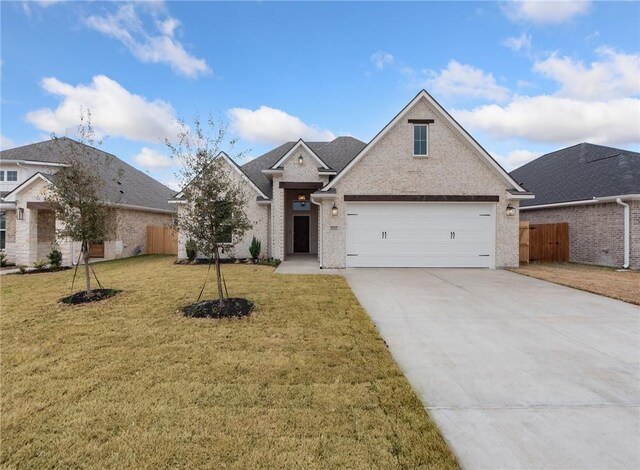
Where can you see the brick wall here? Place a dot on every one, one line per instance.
(596, 231)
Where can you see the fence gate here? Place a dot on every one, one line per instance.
(524, 242)
(549, 243)
(162, 240)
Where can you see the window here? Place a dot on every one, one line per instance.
(12, 175)
(420, 139)
(3, 230)
(301, 206)
(223, 213)
(1, 175)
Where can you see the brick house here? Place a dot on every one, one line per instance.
(421, 193)
(596, 190)
(27, 221)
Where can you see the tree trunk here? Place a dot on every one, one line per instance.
(85, 257)
(219, 278)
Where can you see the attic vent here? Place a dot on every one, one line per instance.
(118, 182)
(121, 191)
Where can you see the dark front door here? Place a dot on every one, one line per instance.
(300, 234)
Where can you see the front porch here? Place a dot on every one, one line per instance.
(300, 222)
(303, 264)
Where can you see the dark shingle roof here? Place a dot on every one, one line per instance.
(124, 184)
(581, 172)
(336, 154)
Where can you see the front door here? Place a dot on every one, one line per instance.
(301, 234)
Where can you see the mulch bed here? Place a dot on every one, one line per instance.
(96, 294)
(39, 271)
(231, 308)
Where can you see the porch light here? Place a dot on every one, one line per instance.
(302, 197)
(511, 211)
(300, 159)
(20, 215)
(334, 210)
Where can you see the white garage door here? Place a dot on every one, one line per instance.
(420, 234)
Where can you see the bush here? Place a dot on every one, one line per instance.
(275, 262)
(3, 260)
(255, 248)
(192, 249)
(40, 265)
(22, 268)
(55, 258)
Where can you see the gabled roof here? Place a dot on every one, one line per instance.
(124, 184)
(424, 95)
(336, 154)
(581, 172)
(11, 195)
(303, 144)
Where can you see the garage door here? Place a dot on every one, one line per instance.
(418, 234)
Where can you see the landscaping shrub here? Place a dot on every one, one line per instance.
(3, 260)
(255, 248)
(55, 259)
(192, 249)
(275, 262)
(41, 265)
(22, 268)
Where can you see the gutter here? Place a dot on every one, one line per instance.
(595, 200)
(139, 208)
(626, 232)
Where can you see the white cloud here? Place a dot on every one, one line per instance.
(522, 42)
(273, 126)
(381, 59)
(558, 120)
(515, 158)
(114, 111)
(616, 75)
(546, 12)
(160, 47)
(150, 158)
(6, 142)
(459, 80)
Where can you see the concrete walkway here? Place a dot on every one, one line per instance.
(303, 264)
(517, 372)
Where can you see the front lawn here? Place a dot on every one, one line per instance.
(621, 285)
(305, 381)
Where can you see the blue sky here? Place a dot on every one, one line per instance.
(524, 78)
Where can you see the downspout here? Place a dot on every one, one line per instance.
(320, 229)
(626, 232)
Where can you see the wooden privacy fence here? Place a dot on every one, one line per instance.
(547, 243)
(524, 242)
(162, 240)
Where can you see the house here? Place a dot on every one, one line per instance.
(596, 190)
(423, 192)
(27, 221)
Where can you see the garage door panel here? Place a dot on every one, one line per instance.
(420, 234)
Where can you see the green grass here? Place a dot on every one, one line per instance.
(305, 381)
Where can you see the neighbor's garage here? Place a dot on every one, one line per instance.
(421, 234)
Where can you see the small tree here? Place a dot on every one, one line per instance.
(78, 193)
(213, 210)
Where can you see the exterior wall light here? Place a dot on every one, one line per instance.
(302, 197)
(334, 210)
(511, 211)
(300, 159)
(20, 214)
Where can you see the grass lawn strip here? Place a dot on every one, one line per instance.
(304, 381)
(621, 285)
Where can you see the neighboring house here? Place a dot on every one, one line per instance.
(423, 192)
(28, 223)
(596, 190)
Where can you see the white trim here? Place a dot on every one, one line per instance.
(176, 201)
(423, 94)
(265, 202)
(33, 162)
(426, 141)
(11, 197)
(272, 171)
(139, 208)
(511, 196)
(595, 200)
(293, 149)
(9, 206)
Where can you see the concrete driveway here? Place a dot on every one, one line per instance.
(517, 372)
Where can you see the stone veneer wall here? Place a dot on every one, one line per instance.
(10, 235)
(453, 167)
(596, 231)
(292, 172)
